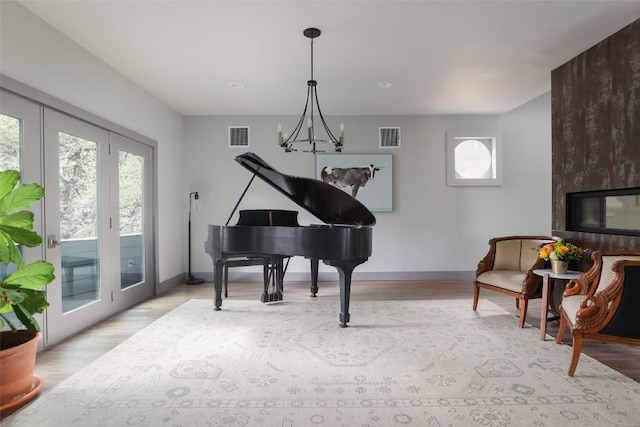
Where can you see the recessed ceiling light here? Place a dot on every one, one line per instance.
(236, 86)
(385, 85)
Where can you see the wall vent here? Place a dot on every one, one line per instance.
(238, 136)
(390, 137)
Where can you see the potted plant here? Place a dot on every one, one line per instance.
(21, 291)
(560, 253)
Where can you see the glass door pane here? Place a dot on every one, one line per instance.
(132, 232)
(78, 186)
(20, 138)
(132, 256)
(10, 146)
(10, 153)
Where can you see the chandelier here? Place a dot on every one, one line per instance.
(310, 144)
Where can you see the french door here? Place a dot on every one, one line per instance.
(95, 217)
(20, 149)
(131, 225)
(97, 223)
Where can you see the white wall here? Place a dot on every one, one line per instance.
(434, 231)
(34, 53)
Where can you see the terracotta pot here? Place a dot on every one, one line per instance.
(17, 360)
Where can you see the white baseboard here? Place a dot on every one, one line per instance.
(327, 276)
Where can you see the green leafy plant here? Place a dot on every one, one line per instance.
(21, 291)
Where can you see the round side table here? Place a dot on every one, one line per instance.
(548, 274)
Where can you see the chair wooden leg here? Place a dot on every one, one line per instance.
(561, 328)
(577, 349)
(517, 303)
(476, 296)
(523, 312)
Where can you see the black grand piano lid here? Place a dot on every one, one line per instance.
(326, 202)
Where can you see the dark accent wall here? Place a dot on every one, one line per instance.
(595, 112)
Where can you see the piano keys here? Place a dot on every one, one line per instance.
(344, 241)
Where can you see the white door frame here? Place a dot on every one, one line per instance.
(33, 171)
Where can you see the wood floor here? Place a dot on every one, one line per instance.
(63, 360)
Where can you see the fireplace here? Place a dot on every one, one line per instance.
(605, 212)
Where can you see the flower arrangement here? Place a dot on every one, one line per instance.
(560, 250)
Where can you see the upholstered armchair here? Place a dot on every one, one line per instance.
(603, 304)
(508, 268)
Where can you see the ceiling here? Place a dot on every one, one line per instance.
(441, 57)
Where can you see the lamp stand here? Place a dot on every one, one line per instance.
(190, 279)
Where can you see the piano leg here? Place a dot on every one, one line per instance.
(265, 284)
(218, 268)
(314, 276)
(345, 269)
(279, 274)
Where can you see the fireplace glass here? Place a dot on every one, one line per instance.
(610, 211)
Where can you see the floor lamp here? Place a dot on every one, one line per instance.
(192, 280)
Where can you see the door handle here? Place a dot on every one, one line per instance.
(52, 242)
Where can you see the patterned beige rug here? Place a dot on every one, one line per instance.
(400, 363)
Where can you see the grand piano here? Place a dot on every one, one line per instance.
(344, 241)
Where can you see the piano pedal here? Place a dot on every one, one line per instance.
(272, 297)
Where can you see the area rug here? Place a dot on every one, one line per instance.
(399, 363)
